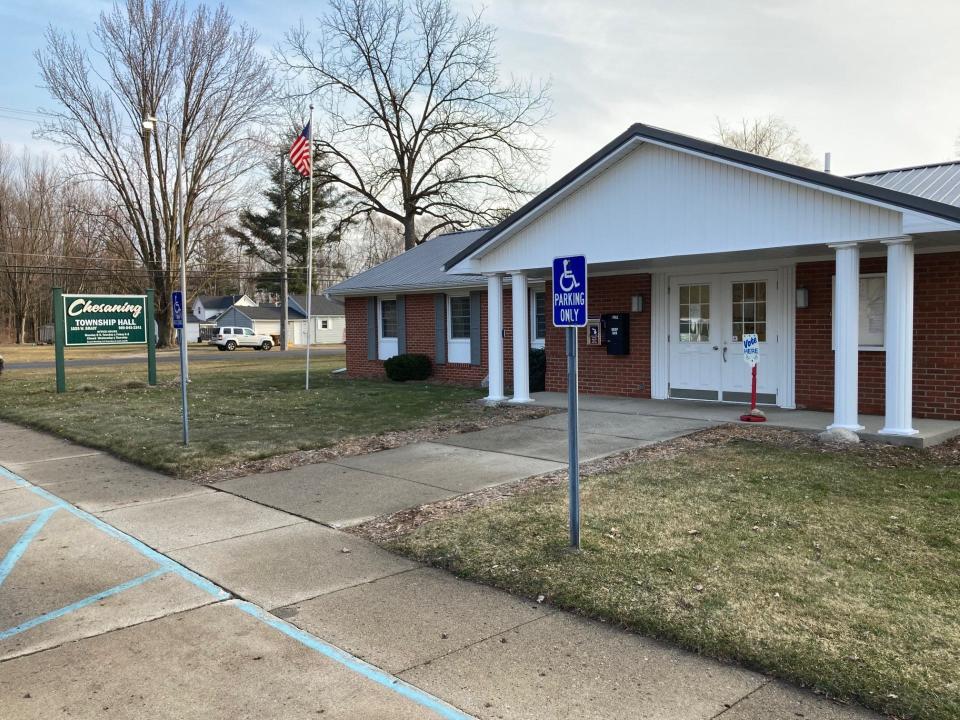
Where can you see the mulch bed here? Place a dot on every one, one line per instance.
(387, 528)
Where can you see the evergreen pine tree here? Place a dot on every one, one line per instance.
(258, 231)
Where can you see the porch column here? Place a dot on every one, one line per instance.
(521, 337)
(495, 337)
(846, 337)
(898, 338)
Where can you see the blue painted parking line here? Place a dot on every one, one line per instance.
(20, 547)
(145, 550)
(168, 565)
(16, 518)
(355, 664)
(79, 604)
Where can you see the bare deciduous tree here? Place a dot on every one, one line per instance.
(770, 136)
(416, 122)
(202, 76)
(379, 239)
(28, 229)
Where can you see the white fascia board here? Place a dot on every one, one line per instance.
(914, 222)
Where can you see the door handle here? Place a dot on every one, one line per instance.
(724, 353)
(716, 347)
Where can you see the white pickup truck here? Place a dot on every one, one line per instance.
(231, 338)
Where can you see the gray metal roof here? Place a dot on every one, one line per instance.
(218, 302)
(418, 269)
(320, 305)
(939, 182)
(267, 312)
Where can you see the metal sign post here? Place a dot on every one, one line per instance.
(751, 356)
(83, 320)
(177, 302)
(570, 312)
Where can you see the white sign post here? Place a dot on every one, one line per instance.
(751, 356)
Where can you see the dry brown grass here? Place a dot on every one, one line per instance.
(836, 570)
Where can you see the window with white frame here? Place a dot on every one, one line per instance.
(324, 324)
(538, 318)
(388, 343)
(458, 328)
(388, 318)
(872, 310)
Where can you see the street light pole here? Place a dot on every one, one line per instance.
(149, 122)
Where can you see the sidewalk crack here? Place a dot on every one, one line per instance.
(731, 706)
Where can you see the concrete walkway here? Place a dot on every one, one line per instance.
(930, 432)
(128, 594)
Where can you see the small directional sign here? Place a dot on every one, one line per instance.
(177, 301)
(751, 349)
(570, 291)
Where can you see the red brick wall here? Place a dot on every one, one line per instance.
(599, 372)
(421, 338)
(936, 360)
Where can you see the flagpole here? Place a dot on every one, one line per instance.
(309, 246)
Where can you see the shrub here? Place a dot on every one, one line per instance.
(538, 369)
(408, 367)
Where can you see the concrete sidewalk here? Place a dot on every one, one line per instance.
(244, 610)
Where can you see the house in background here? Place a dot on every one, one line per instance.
(848, 283)
(262, 319)
(327, 320)
(208, 307)
(202, 320)
(198, 330)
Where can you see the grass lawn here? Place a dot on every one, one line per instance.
(834, 570)
(239, 409)
(45, 353)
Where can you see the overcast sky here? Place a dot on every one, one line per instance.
(873, 81)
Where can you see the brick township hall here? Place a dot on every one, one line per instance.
(851, 285)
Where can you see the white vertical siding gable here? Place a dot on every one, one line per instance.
(660, 202)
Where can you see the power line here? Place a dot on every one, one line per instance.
(108, 260)
(20, 111)
(113, 274)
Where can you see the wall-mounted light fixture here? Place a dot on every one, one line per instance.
(803, 298)
(636, 303)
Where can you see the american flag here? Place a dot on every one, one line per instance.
(300, 152)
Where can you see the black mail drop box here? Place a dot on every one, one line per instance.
(616, 333)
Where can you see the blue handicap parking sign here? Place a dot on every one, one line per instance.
(177, 302)
(570, 291)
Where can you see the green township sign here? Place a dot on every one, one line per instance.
(105, 319)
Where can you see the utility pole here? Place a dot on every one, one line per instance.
(284, 312)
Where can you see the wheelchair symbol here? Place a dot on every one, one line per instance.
(568, 281)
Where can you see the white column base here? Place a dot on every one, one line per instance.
(494, 399)
(897, 431)
(520, 400)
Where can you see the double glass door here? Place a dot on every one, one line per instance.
(709, 315)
